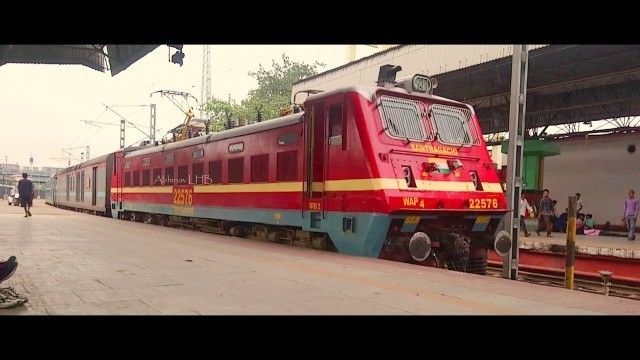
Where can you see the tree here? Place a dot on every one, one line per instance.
(273, 93)
(274, 86)
(221, 112)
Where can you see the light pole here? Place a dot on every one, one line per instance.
(517, 102)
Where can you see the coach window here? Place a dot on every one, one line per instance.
(146, 178)
(198, 154)
(288, 139)
(260, 168)
(168, 176)
(236, 170)
(287, 164)
(157, 177)
(215, 172)
(197, 174)
(335, 124)
(127, 179)
(183, 175)
(136, 178)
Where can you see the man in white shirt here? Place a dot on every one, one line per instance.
(524, 206)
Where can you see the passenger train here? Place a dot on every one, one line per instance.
(390, 171)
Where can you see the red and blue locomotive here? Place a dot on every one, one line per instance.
(388, 171)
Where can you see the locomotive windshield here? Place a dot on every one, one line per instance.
(402, 119)
(454, 125)
(408, 120)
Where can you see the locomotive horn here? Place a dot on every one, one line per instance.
(387, 74)
(420, 246)
(502, 243)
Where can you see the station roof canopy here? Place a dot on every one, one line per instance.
(103, 58)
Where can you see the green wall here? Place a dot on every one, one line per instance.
(533, 161)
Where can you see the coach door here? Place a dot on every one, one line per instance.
(83, 186)
(54, 188)
(94, 189)
(116, 207)
(68, 187)
(338, 164)
(315, 153)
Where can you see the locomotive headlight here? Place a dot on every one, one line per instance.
(420, 246)
(421, 83)
(417, 83)
(456, 164)
(502, 243)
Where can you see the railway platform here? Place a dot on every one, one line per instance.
(72, 263)
(593, 254)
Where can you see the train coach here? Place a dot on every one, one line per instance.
(83, 187)
(390, 171)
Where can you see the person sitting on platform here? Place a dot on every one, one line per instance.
(580, 225)
(561, 222)
(590, 229)
(588, 222)
(7, 268)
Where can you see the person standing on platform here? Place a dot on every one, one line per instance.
(630, 215)
(25, 188)
(524, 207)
(578, 205)
(545, 212)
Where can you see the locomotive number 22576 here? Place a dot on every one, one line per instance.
(483, 203)
(183, 196)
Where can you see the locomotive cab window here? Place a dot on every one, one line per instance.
(402, 119)
(335, 124)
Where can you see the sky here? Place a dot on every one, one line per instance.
(43, 108)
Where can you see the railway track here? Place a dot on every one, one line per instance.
(617, 290)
